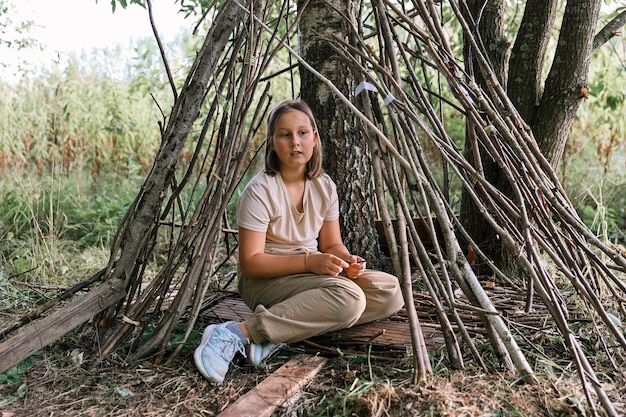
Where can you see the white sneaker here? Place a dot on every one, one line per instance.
(216, 351)
(258, 352)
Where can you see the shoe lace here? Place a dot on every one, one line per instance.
(228, 345)
(268, 349)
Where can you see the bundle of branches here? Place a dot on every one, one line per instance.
(535, 220)
(183, 213)
(198, 228)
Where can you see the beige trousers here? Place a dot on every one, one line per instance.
(295, 307)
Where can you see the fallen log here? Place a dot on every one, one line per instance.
(42, 332)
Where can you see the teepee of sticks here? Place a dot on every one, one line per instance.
(183, 211)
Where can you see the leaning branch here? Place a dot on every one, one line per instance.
(610, 30)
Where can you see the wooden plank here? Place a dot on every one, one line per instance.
(386, 332)
(46, 330)
(277, 388)
(392, 334)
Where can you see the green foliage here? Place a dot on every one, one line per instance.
(592, 167)
(603, 209)
(78, 136)
(125, 3)
(14, 374)
(594, 159)
(11, 376)
(79, 117)
(15, 35)
(69, 208)
(55, 229)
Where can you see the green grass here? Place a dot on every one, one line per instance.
(76, 143)
(54, 229)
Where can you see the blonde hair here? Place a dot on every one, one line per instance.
(272, 163)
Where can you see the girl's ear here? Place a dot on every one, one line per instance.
(317, 138)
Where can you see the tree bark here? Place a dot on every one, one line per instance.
(566, 84)
(548, 109)
(346, 155)
(488, 22)
(528, 56)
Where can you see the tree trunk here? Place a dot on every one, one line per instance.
(566, 84)
(549, 110)
(528, 56)
(351, 170)
(489, 20)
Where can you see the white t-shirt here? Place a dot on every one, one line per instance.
(265, 206)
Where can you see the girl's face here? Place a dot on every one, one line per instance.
(294, 139)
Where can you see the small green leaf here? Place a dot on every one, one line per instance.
(124, 393)
(22, 390)
(616, 321)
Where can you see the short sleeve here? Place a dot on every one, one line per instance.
(332, 213)
(252, 210)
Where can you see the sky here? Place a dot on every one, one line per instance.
(77, 25)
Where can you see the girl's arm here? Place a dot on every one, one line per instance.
(255, 263)
(330, 241)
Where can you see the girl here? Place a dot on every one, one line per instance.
(295, 272)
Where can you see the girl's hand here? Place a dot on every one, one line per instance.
(356, 266)
(325, 264)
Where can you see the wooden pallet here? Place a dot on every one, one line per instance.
(390, 335)
(381, 339)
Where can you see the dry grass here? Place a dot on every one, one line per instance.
(60, 382)
(58, 385)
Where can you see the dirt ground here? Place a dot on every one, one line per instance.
(61, 381)
(357, 379)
